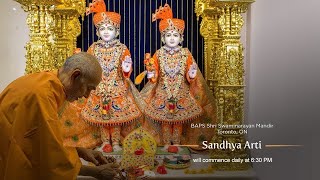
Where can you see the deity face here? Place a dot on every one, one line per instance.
(172, 38)
(107, 32)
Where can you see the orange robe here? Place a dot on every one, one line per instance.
(31, 145)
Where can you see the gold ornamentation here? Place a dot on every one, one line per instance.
(54, 27)
(223, 55)
(110, 68)
(78, 5)
(231, 21)
(180, 68)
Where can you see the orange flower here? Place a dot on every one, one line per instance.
(149, 64)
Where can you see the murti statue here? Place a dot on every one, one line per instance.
(176, 94)
(111, 108)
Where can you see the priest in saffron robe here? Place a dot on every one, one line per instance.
(31, 143)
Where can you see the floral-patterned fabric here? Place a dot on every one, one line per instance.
(194, 101)
(123, 109)
(83, 120)
(172, 69)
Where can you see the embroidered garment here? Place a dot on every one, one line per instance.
(113, 91)
(172, 83)
(113, 103)
(173, 98)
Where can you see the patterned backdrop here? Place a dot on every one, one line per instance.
(141, 35)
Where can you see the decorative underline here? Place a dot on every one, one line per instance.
(282, 145)
(267, 146)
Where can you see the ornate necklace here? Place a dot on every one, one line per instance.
(178, 70)
(172, 50)
(109, 43)
(105, 89)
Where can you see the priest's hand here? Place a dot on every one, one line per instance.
(106, 171)
(95, 157)
(150, 74)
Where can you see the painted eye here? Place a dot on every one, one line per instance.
(110, 28)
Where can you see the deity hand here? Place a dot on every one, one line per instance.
(150, 74)
(192, 71)
(127, 64)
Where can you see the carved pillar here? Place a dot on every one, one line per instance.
(53, 30)
(221, 26)
(66, 28)
(39, 49)
(64, 38)
(209, 30)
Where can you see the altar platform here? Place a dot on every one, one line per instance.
(181, 173)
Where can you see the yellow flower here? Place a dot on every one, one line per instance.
(151, 61)
(150, 64)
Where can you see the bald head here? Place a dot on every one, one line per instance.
(80, 74)
(85, 62)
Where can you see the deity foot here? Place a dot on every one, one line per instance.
(165, 148)
(117, 148)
